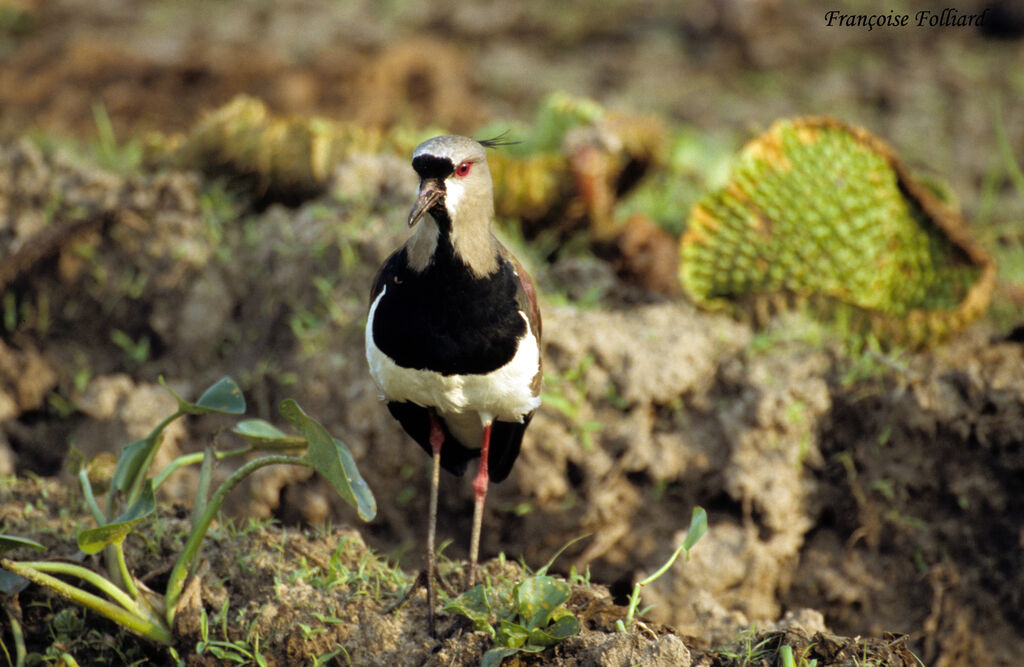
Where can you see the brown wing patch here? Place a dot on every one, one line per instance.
(528, 297)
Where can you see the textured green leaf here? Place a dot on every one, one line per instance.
(565, 626)
(471, 604)
(480, 603)
(331, 458)
(826, 212)
(93, 540)
(538, 597)
(264, 435)
(512, 634)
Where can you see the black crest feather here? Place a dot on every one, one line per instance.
(498, 141)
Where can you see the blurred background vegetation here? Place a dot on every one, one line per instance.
(949, 99)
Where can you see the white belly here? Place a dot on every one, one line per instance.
(465, 401)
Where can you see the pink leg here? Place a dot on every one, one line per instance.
(480, 483)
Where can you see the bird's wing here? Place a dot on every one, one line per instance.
(526, 296)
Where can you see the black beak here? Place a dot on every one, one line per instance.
(431, 192)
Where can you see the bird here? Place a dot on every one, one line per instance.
(453, 332)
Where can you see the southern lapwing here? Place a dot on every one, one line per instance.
(453, 333)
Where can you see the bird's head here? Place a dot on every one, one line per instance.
(455, 184)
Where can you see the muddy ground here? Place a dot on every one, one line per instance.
(851, 491)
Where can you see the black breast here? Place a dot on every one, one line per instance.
(445, 319)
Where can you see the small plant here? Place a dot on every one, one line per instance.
(746, 652)
(237, 652)
(787, 659)
(698, 526)
(110, 154)
(130, 500)
(525, 615)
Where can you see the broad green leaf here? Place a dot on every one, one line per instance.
(133, 457)
(473, 605)
(264, 435)
(223, 397)
(331, 458)
(494, 657)
(93, 540)
(10, 542)
(539, 597)
(479, 603)
(564, 627)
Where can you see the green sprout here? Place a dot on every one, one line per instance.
(746, 652)
(130, 500)
(109, 153)
(698, 526)
(237, 652)
(787, 659)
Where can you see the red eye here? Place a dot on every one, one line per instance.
(463, 169)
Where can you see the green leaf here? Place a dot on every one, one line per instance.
(538, 597)
(11, 584)
(473, 605)
(93, 540)
(264, 435)
(331, 458)
(223, 397)
(479, 603)
(513, 635)
(133, 457)
(564, 627)
(698, 526)
(10, 542)
(494, 656)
